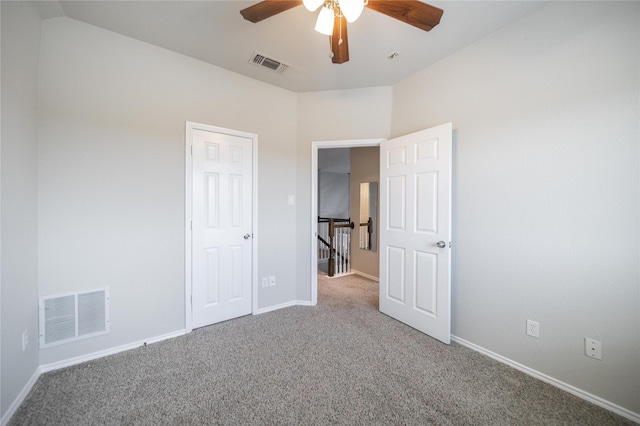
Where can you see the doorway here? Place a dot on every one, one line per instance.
(415, 239)
(334, 205)
(315, 147)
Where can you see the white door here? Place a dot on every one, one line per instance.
(222, 226)
(415, 230)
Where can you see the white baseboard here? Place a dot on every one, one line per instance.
(283, 305)
(362, 274)
(95, 355)
(635, 417)
(21, 397)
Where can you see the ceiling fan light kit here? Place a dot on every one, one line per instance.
(351, 9)
(324, 24)
(312, 5)
(330, 22)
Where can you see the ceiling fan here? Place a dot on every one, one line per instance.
(335, 14)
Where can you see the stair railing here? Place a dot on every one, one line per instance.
(336, 243)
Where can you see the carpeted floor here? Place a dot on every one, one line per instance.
(340, 362)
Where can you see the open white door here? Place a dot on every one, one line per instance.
(222, 231)
(415, 230)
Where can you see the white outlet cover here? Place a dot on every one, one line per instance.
(592, 348)
(533, 328)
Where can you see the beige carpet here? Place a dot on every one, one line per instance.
(340, 362)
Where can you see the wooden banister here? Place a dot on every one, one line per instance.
(333, 253)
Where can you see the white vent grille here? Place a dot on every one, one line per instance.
(69, 317)
(272, 64)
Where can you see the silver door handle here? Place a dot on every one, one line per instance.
(441, 244)
(247, 236)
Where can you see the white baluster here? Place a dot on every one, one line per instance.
(338, 251)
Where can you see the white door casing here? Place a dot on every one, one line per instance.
(415, 230)
(222, 234)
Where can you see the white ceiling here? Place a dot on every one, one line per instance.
(215, 32)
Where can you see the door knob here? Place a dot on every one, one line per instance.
(441, 244)
(246, 236)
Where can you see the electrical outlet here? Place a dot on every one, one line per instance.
(272, 281)
(592, 348)
(533, 329)
(265, 282)
(25, 340)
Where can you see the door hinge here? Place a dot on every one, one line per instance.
(191, 226)
(192, 150)
(450, 244)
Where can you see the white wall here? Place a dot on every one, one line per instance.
(111, 175)
(365, 167)
(546, 189)
(19, 223)
(331, 116)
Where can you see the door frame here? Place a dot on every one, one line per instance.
(315, 146)
(188, 212)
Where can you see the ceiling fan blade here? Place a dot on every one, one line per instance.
(339, 41)
(267, 8)
(412, 12)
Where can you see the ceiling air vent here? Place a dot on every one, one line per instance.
(269, 63)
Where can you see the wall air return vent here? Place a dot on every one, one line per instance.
(270, 63)
(73, 316)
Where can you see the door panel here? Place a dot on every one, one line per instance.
(427, 202)
(426, 272)
(396, 283)
(397, 195)
(415, 195)
(222, 217)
